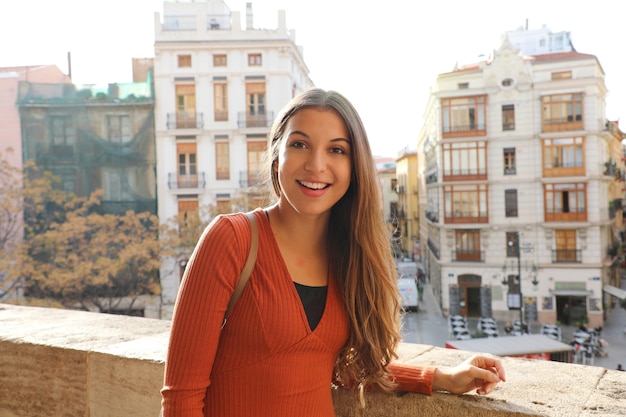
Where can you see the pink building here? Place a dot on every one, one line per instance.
(10, 132)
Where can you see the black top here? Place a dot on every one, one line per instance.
(314, 300)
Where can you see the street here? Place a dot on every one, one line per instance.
(430, 327)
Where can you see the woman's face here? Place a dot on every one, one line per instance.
(314, 161)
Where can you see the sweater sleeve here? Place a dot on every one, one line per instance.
(204, 293)
(413, 378)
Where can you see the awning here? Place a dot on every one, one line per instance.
(617, 292)
(571, 293)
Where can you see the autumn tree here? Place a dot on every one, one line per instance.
(78, 257)
(180, 234)
(11, 221)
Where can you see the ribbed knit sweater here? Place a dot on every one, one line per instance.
(266, 362)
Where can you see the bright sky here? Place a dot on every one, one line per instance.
(382, 55)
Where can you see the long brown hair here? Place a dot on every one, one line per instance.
(359, 249)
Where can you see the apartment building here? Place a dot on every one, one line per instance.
(386, 168)
(521, 180)
(407, 230)
(218, 86)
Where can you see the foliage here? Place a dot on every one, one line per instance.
(179, 235)
(11, 223)
(74, 256)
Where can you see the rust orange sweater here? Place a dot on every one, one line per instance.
(266, 362)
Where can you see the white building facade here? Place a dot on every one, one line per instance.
(218, 87)
(521, 180)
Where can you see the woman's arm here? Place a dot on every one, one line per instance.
(204, 293)
(480, 373)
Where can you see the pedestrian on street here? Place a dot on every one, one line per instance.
(322, 304)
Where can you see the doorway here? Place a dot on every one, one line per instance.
(469, 295)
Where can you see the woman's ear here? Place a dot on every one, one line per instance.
(275, 165)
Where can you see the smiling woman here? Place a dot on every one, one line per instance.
(322, 304)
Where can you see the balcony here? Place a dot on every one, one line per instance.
(466, 217)
(249, 179)
(468, 256)
(465, 174)
(175, 181)
(567, 124)
(247, 120)
(432, 215)
(185, 120)
(566, 256)
(72, 363)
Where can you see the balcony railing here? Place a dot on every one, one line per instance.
(249, 179)
(175, 181)
(468, 256)
(185, 120)
(566, 256)
(264, 119)
(116, 366)
(466, 217)
(433, 248)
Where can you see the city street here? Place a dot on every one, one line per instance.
(430, 327)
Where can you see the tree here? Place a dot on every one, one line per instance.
(76, 257)
(180, 234)
(11, 221)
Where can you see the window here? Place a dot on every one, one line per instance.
(562, 112)
(220, 101)
(117, 184)
(62, 131)
(508, 117)
(255, 60)
(463, 86)
(509, 161)
(222, 161)
(565, 202)
(256, 98)
(118, 129)
(512, 244)
(465, 203)
(219, 60)
(563, 157)
(463, 116)
(184, 61)
(223, 203)
(562, 75)
(256, 152)
(565, 246)
(467, 245)
(510, 203)
(394, 184)
(186, 106)
(465, 159)
(187, 165)
(507, 82)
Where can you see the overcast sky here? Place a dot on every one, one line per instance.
(383, 56)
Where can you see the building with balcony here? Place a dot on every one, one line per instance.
(218, 86)
(521, 184)
(93, 138)
(386, 168)
(407, 230)
(11, 145)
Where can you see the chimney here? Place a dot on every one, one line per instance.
(249, 24)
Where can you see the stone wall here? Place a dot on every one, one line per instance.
(68, 363)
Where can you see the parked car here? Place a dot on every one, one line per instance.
(408, 291)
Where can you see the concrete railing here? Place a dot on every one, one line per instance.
(68, 363)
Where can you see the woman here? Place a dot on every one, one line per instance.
(322, 303)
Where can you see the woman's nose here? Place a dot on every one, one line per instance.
(316, 162)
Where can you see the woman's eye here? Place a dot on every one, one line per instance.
(338, 150)
(297, 144)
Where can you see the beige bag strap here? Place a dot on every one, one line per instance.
(248, 266)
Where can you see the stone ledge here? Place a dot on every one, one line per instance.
(61, 362)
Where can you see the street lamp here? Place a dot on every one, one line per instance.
(514, 246)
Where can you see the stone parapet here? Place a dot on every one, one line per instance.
(70, 363)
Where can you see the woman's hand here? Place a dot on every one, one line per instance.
(480, 373)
